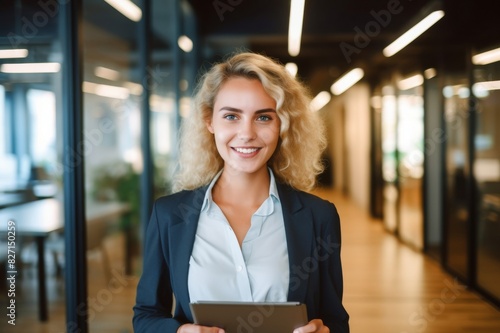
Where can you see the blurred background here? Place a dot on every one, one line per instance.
(94, 92)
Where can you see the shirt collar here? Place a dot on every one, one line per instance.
(273, 193)
(273, 189)
(207, 200)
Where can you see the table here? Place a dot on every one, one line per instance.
(14, 198)
(39, 219)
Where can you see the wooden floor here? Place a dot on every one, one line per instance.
(389, 288)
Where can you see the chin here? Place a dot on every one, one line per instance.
(248, 170)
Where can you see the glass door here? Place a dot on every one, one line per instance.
(389, 158)
(457, 193)
(31, 164)
(411, 165)
(487, 177)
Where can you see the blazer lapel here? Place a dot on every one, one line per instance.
(299, 236)
(182, 235)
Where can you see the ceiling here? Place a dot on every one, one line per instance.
(332, 42)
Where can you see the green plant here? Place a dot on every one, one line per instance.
(119, 182)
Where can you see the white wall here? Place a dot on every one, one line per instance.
(348, 124)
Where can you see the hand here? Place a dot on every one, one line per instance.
(193, 328)
(314, 326)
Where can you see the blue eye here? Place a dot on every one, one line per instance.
(264, 118)
(230, 117)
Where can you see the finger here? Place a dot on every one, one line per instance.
(205, 329)
(211, 330)
(314, 325)
(193, 328)
(310, 327)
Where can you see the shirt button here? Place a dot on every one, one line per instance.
(239, 268)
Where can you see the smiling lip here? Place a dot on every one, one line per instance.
(246, 151)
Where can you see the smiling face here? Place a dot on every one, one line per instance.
(245, 126)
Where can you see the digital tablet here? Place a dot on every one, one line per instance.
(250, 317)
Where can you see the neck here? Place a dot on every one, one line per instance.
(242, 188)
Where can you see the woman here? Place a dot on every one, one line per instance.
(240, 228)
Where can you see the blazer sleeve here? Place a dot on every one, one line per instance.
(334, 313)
(154, 299)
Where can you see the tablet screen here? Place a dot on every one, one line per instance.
(250, 317)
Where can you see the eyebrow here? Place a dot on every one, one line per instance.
(228, 108)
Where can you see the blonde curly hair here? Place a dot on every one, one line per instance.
(297, 159)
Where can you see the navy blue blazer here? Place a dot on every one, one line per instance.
(312, 228)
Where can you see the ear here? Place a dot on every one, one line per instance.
(209, 126)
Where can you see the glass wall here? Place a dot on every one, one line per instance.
(410, 143)
(30, 96)
(164, 95)
(457, 194)
(402, 128)
(433, 176)
(376, 156)
(3, 134)
(112, 87)
(487, 176)
(31, 149)
(472, 167)
(171, 86)
(113, 83)
(390, 158)
(32, 146)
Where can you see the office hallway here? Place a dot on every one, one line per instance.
(390, 288)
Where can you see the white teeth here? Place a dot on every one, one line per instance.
(246, 150)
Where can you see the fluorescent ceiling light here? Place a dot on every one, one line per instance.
(320, 100)
(450, 91)
(158, 103)
(464, 92)
(486, 58)
(487, 85)
(134, 88)
(105, 90)
(13, 53)
(480, 91)
(127, 8)
(411, 82)
(292, 68)
(295, 26)
(388, 90)
(106, 73)
(429, 73)
(185, 106)
(185, 43)
(31, 68)
(413, 33)
(347, 81)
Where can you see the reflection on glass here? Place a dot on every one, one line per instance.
(31, 157)
(2, 120)
(42, 108)
(163, 97)
(112, 93)
(389, 159)
(457, 172)
(411, 165)
(487, 176)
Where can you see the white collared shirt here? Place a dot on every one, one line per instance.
(219, 270)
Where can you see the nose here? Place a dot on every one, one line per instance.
(247, 131)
